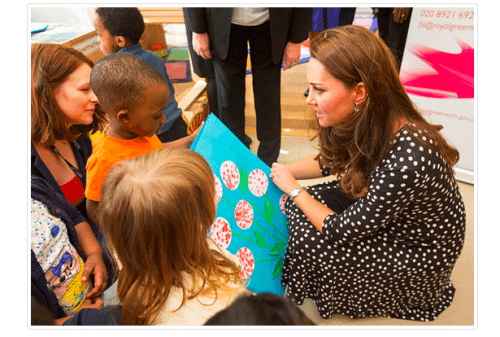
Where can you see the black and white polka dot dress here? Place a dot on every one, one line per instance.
(389, 253)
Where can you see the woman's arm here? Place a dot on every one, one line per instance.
(305, 168)
(94, 263)
(314, 210)
(285, 178)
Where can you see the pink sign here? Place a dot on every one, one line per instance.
(437, 72)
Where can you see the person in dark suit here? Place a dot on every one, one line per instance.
(274, 36)
(393, 25)
(204, 68)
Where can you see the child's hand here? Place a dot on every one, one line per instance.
(95, 265)
(195, 132)
(93, 303)
(193, 135)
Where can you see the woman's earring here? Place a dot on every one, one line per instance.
(356, 109)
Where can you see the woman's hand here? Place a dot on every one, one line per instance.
(314, 210)
(201, 45)
(94, 265)
(283, 178)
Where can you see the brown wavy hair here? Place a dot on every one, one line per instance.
(51, 64)
(156, 211)
(352, 148)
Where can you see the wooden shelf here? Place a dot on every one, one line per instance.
(162, 14)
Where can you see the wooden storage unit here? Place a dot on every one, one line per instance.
(155, 18)
(87, 44)
(162, 14)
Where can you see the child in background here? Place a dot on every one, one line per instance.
(156, 211)
(261, 309)
(118, 31)
(134, 95)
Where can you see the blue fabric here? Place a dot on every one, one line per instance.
(267, 235)
(324, 18)
(109, 315)
(172, 111)
(82, 149)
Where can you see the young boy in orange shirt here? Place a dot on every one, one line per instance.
(134, 95)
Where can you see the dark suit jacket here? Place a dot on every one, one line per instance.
(287, 25)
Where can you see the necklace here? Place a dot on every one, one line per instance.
(74, 169)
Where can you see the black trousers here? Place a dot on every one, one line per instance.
(394, 34)
(230, 75)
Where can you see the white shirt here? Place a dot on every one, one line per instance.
(249, 16)
(200, 309)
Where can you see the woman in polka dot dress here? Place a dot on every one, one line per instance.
(383, 237)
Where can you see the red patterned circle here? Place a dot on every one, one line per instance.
(282, 202)
(230, 175)
(220, 232)
(258, 182)
(247, 262)
(218, 189)
(243, 213)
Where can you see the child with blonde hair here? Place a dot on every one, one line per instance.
(156, 211)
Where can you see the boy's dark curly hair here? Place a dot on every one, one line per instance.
(261, 309)
(122, 21)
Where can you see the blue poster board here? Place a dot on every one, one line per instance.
(250, 221)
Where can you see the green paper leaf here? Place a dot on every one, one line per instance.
(260, 239)
(243, 180)
(277, 249)
(268, 211)
(277, 268)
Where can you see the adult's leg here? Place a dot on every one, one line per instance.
(383, 17)
(212, 96)
(230, 77)
(396, 37)
(346, 16)
(266, 84)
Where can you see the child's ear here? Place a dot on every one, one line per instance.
(123, 116)
(121, 41)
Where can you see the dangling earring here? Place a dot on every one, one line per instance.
(356, 109)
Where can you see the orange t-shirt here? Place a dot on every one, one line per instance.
(108, 151)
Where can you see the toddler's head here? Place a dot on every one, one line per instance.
(162, 202)
(156, 211)
(261, 309)
(132, 92)
(118, 27)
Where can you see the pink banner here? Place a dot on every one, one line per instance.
(438, 73)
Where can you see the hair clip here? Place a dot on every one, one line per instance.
(325, 35)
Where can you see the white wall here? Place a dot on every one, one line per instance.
(76, 15)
